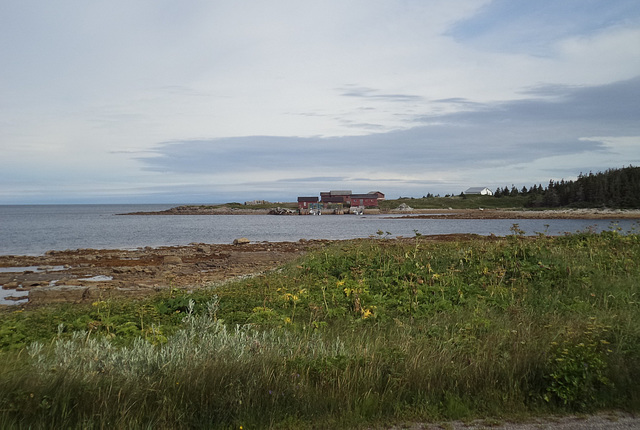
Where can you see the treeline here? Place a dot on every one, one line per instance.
(615, 188)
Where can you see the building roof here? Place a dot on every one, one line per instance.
(308, 199)
(340, 192)
(476, 190)
(333, 200)
(364, 196)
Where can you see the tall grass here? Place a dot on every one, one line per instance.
(363, 332)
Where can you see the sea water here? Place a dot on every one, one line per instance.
(33, 230)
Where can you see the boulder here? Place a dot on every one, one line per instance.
(172, 259)
(204, 248)
(241, 241)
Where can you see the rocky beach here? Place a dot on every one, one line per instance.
(442, 213)
(87, 275)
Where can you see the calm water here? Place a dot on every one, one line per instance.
(33, 230)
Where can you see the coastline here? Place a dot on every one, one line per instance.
(444, 213)
(89, 275)
(521, 214)
(86, 275)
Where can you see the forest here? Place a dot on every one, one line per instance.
(614, 188)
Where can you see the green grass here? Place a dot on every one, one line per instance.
(359, 333)
(236, 205)
(457, 202)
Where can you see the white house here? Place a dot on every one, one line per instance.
(484, 191)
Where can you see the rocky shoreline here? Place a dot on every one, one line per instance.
(87, 275)
(521, 214)
(204, 210)
(444, 213)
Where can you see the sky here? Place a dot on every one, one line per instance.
(201, 101)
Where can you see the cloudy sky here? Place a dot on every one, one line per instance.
(202, 101)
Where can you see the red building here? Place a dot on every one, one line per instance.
(365, 200)
(336, 196)
(304, 202)
(378, 193)
(337, 199)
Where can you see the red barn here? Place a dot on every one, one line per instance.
(336, 196)
(304, 202)
(365, 200)
(378, 193)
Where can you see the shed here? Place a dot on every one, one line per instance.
(366, 200)
(304, 202)
(483, 191)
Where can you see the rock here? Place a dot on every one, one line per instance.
(172, 259)
(282, 211)
(241, 241)
(58, 294)
(404, 207)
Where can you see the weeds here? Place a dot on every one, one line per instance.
(359, 332)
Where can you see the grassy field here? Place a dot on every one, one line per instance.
(360, 333)
(457, 202)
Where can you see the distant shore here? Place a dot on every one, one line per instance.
(422, 213)
(523, 214)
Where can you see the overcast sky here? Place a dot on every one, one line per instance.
(149, 101)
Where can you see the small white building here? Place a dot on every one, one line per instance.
(483, 191)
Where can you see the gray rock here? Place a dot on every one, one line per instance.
(172, 259)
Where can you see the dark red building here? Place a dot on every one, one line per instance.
(304, 202)
(365, 200)
(336, 196)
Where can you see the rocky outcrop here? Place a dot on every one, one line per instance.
(282, 211)
(205, 210)
(404, 207)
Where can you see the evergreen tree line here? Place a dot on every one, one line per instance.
(615, 188)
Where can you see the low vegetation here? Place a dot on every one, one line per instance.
(359, 333)
(456, 202)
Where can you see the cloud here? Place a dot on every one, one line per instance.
(564, 122)
(227, 97)
(374, 94)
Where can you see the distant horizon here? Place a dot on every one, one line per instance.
(175, 200)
